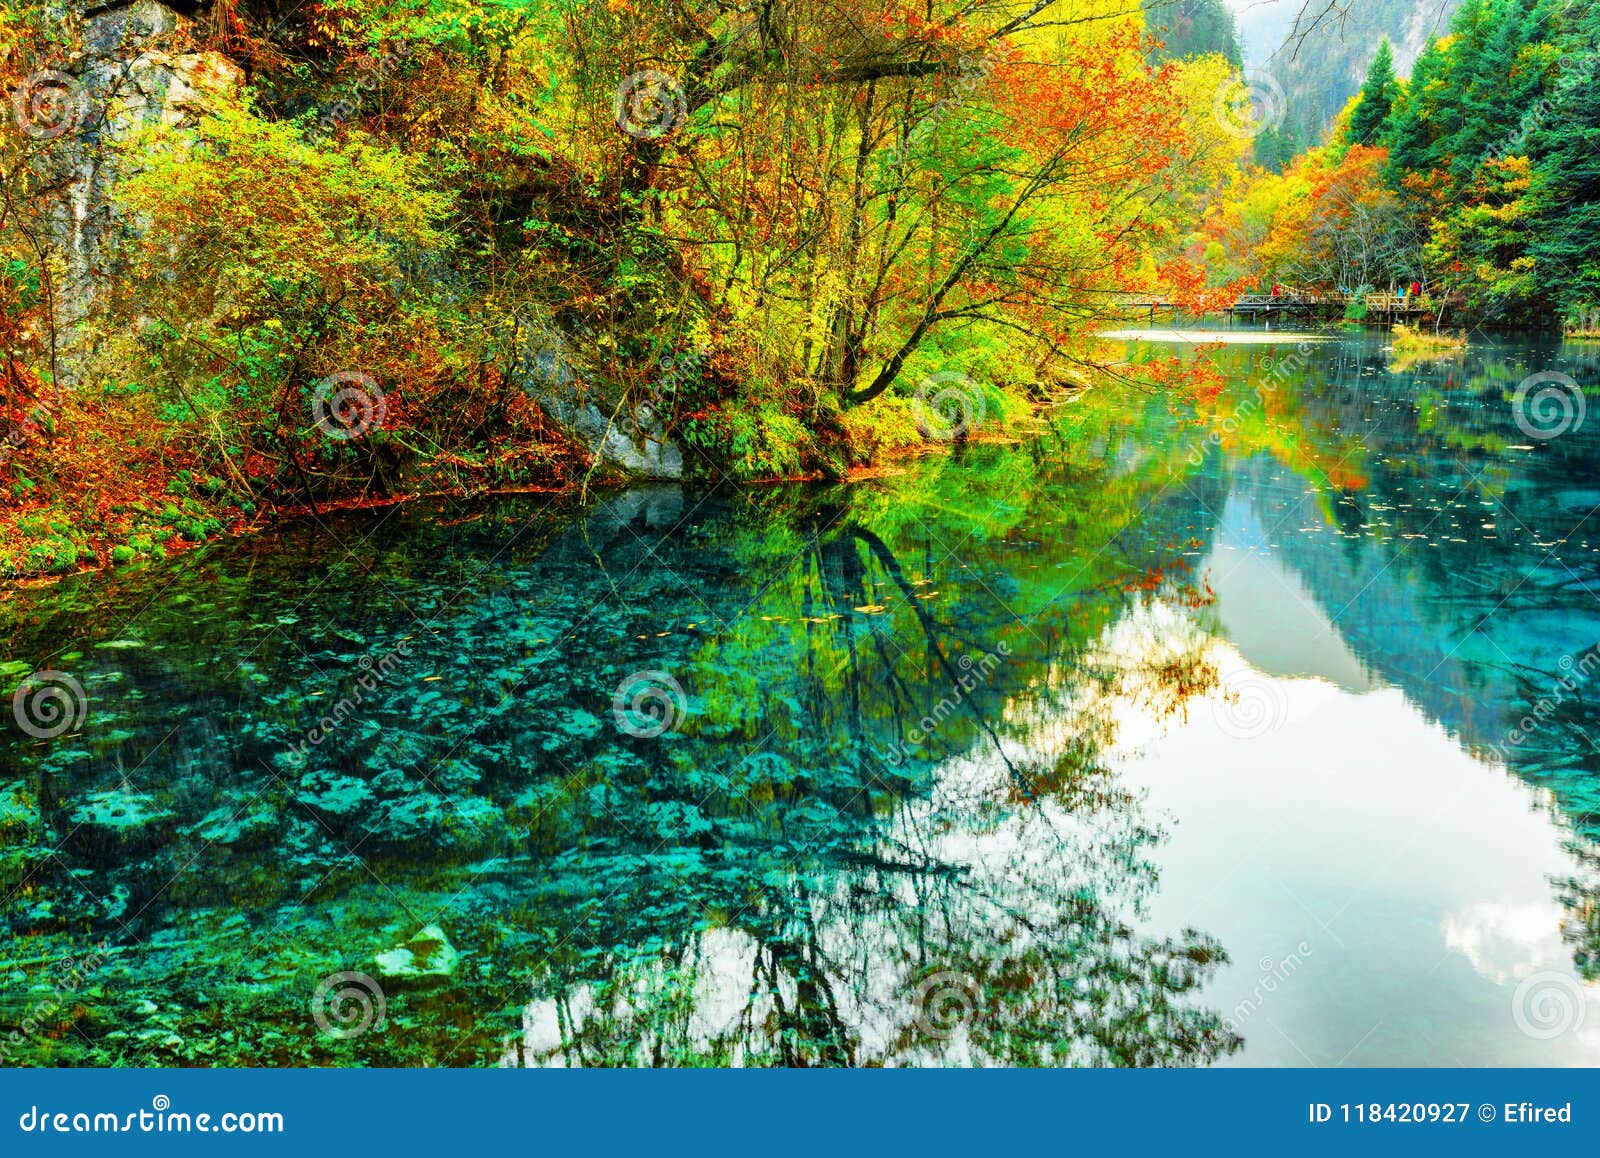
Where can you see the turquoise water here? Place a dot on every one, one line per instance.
(1254, 734)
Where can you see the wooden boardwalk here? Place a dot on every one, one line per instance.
(1380, 307)
(1295, 303)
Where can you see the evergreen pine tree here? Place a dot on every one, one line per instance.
(1411, 129)
(1566, 147)
(1377, 98)
(1194, 28)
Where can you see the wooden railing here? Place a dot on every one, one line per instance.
(1294, 300)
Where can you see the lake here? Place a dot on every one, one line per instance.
(1255, 730)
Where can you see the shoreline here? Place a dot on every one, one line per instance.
(267, 520)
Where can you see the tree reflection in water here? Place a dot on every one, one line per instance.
(880, 829)
(884, 826)
(985, 916)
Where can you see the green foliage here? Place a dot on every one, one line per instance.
(1377, 98)
(756, 445)
(1276, 146)
(1566, 142)
(1320, 72)
(880, 428)
(1188, 28)
(1491, 151)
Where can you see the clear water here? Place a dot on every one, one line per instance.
(1174, 736)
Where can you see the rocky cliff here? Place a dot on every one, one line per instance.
(144, 63)
(138, 64)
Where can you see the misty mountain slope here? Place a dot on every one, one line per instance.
(1322, 70)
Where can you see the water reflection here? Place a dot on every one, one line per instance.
(1446, 558)
(1044, 755)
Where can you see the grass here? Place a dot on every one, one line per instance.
(1408, 339)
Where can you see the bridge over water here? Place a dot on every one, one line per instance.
(1321, 305)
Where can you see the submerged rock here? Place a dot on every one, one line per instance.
(245, 826)
(461, 824)
(121, 819)
(332, 794)
(428, 958)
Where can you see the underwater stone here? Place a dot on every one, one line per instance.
(333, 794)
(122, 820)
(425, 959)
(245, 826)
(458, 823)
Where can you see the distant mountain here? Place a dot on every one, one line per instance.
(1320, 69)
(1263, 25)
